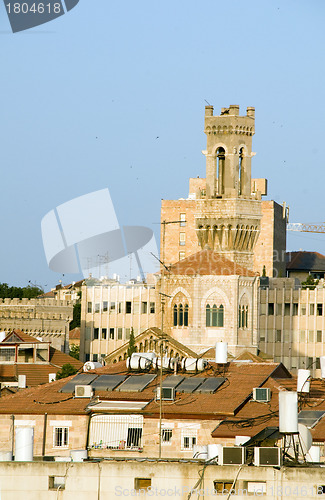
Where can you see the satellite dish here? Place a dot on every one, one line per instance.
(306, 440)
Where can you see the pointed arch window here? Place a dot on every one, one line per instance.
(180, 315)
(243, 316)
(186, 315)
(214, 315)
(175, 315)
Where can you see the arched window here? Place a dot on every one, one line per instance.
(180, 315)
(208, 314)
(241, 171)
(214, 315)
(220, 170)
(242, 316)
(186, 315)
(175, 315)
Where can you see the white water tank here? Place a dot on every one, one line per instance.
(313, 454)
(322, 365)
(241, 440)
(288, 412)
(52, 377)
(24, 444)
(167, 363)
(221, 352)
(91, 365)
(2, 336)
(194, 364)
(78, 455)
(303, 384)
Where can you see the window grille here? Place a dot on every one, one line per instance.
(119, 432)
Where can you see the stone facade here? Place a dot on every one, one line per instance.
(109, 310)
(224, 211)
(45, 318)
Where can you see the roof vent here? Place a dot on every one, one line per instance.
(262, 394)
(83, 391)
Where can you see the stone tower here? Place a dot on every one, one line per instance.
(228, 213)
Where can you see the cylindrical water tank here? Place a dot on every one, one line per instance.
(138, 363)
(313, 454)
(303, 384)
(189, 364)
(288, 412)
(24, 443)
(91, 365)
(78, 455)
(322, 366)
(221, 352)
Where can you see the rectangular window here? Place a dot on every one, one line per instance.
(95, 357)
(119, 333)
(303, 309)
(256, 488)
(111, 333)
(60, 437)
(142, 483)
(96, 333)
(189, 439)
(182, 218)
(7, 354)
(128, 307)
(97, 307)
(222, 487)
(182, 239)
(295, 309)
(112, 307)
(319, 310)
(56, 483)
(89, 307)
(317, 365)
(310, 362)
(278, 336)
(302, 336)
(271, 309)
(262, 309)
(278, 309)
(144, 307)
(181, 255)
(287, 309)
(310, 336)
(319, 336)
(120, 307)
(127, 333)
(105, 306)
(311, 309)
(116, 432)
(167, 435)
(104, 333)
(88, 332)
(152, 308)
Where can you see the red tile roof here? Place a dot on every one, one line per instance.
(208, 262)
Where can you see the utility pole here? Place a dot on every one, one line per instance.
(162, 302)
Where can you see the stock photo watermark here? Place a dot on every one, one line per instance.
(26, 14)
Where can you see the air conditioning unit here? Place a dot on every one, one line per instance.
(83, 391)
(232, 455)
(168, 393)
(270, 456)
(262, 394)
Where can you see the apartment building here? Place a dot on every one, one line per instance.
(292, 322)
(109, 310)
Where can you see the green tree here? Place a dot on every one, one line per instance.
(74, 351)
(16, 292)
(131, 348)
(310, 283)
(76, 317)
(66, 371)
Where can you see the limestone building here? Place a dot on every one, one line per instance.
(224, 211)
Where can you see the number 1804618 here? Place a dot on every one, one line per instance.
(34, 8)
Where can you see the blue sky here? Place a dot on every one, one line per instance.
(83, 99)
